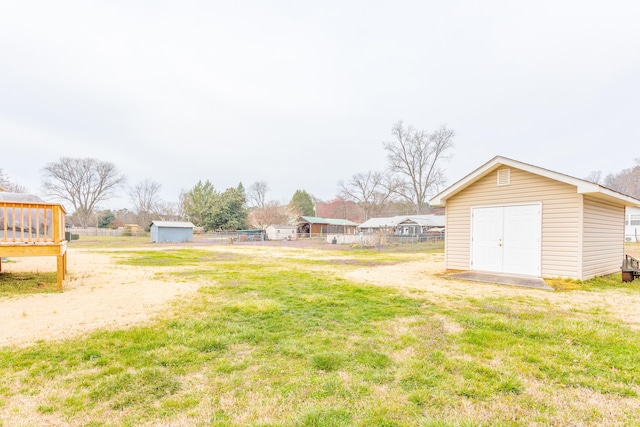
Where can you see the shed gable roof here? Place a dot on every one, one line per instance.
(172, 224)
(582, 186)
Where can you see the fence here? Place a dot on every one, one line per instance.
(379, 241)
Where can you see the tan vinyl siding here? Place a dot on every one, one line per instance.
(560, 213)
(603, 238)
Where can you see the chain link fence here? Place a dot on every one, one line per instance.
(359, 241)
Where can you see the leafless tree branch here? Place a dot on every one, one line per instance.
(415, 156)
(82, 182)
(256, 194)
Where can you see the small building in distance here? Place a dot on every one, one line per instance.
(171, 232)
(403, 225)
(280, 232)
(311, 225)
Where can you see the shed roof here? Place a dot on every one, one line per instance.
(172, 224)
(330, 221)
(283, 226)
(582, 186)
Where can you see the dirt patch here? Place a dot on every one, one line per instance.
(427, 276)
(346, 261)
(98, 294)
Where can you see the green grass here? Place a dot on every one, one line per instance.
(27, 283)
(95, 242)
(276, 342)
(610, 282)
(172, 257)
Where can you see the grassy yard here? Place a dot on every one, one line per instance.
(288, 342)
(27, 283)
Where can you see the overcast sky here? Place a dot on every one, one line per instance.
(302, 94)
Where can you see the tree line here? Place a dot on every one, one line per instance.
(626, 181)
(414, 172)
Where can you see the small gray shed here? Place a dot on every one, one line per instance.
(171, 232)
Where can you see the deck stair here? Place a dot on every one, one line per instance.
(630, 268)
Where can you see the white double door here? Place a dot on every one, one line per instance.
(507, 239)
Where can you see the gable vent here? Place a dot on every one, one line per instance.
(504, 177)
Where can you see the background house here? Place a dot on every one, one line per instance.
(632, 224)
(403, 225)
(512, 217)
(313, 225)
(171, 232)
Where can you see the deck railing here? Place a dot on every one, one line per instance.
(29, 222)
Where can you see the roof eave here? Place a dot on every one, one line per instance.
(611, 196)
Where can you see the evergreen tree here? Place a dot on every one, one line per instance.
(302, 204)
(106, 219)
(230, 212)
(199, 203)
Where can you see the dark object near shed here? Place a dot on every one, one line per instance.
(630, 268)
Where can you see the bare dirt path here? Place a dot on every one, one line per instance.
(98, 294)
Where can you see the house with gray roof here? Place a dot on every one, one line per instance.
(403, 225)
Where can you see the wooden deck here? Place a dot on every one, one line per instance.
(34, 229)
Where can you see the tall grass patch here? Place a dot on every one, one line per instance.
(27, 283)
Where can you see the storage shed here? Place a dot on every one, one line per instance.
(171, 232)
(281, 232)
(513, 217)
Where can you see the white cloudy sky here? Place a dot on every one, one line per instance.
(301, 94)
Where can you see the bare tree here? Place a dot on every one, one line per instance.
(182, 204)
(594, 176)
(340, 207)
(167, 211)
(145, 199)
(416, 157)
(372, 190)
(626, 181)
(256, 194)
(271, 213)
(82, 182)
(7, 185)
